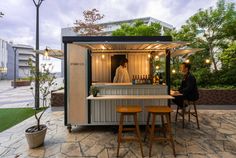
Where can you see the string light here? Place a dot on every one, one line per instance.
(157, 67)
(207, 61)
(45, 54)
(173, 71)
(149, 55)
(156, 57)
(187, 61)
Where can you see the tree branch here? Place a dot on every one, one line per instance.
(35, 3)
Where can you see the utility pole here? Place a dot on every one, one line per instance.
(37, 97)
(15, 52)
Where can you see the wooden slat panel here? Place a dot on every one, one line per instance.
(138, 65)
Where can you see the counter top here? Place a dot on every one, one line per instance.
(111, 84)
(175, 93)
(124, 84)
(129, 97)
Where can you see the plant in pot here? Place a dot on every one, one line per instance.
(35, 135)
(94, 91)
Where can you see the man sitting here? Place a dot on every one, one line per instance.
(188, 86)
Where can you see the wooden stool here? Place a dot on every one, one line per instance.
(189, 112)
(129, 110)
(166, 127)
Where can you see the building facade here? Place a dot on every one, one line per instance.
(7, 58)
(109, 27)
(24, 53)
(5, 55)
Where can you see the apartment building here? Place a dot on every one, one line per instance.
(7, 59)
(24, 53)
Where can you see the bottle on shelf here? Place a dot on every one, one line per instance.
(140, 79)
(154, 80)
(160, 78)
(149, 79)
(144, 79)
(133, 80)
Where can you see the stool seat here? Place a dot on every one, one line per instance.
(158, 109)
(128, 109)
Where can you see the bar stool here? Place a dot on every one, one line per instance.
(166, 127)
(132, 110)
(189, 112)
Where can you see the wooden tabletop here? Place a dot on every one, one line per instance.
(175, 93)
(129, 97)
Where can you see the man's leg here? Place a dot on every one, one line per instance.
(179, 101)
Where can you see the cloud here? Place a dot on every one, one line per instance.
(18, 23)
(19, 20)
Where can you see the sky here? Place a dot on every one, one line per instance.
(18, 23)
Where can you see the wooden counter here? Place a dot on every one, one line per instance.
(129, 97)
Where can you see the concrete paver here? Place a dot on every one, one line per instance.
(216, 138)
(19, 97)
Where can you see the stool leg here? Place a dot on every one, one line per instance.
(163, 124)
(120, 132)
(151, 138)
(138, 132)
(147, 126)
(189, 113)
(195, 109)
(170, 134)
(177, 111)
(183, 113)
(170, 116)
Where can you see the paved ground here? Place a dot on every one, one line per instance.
(215, 139)
(17, 97)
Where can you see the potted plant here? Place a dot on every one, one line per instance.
(94, 91)
(35, 135)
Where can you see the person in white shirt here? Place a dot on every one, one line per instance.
(122, 75)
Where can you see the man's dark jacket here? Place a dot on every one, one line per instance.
(189, 88)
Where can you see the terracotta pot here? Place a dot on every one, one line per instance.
(35, 138)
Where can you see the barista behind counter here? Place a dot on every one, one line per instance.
(122, 75)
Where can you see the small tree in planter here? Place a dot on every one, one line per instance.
(35, 135)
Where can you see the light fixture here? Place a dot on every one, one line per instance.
(157, 67)
(103, 47)
(103, 56)
(45, 54)
(149, 55)
(187, 61)
(156, 57)
(173, 71)
(207, 61)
